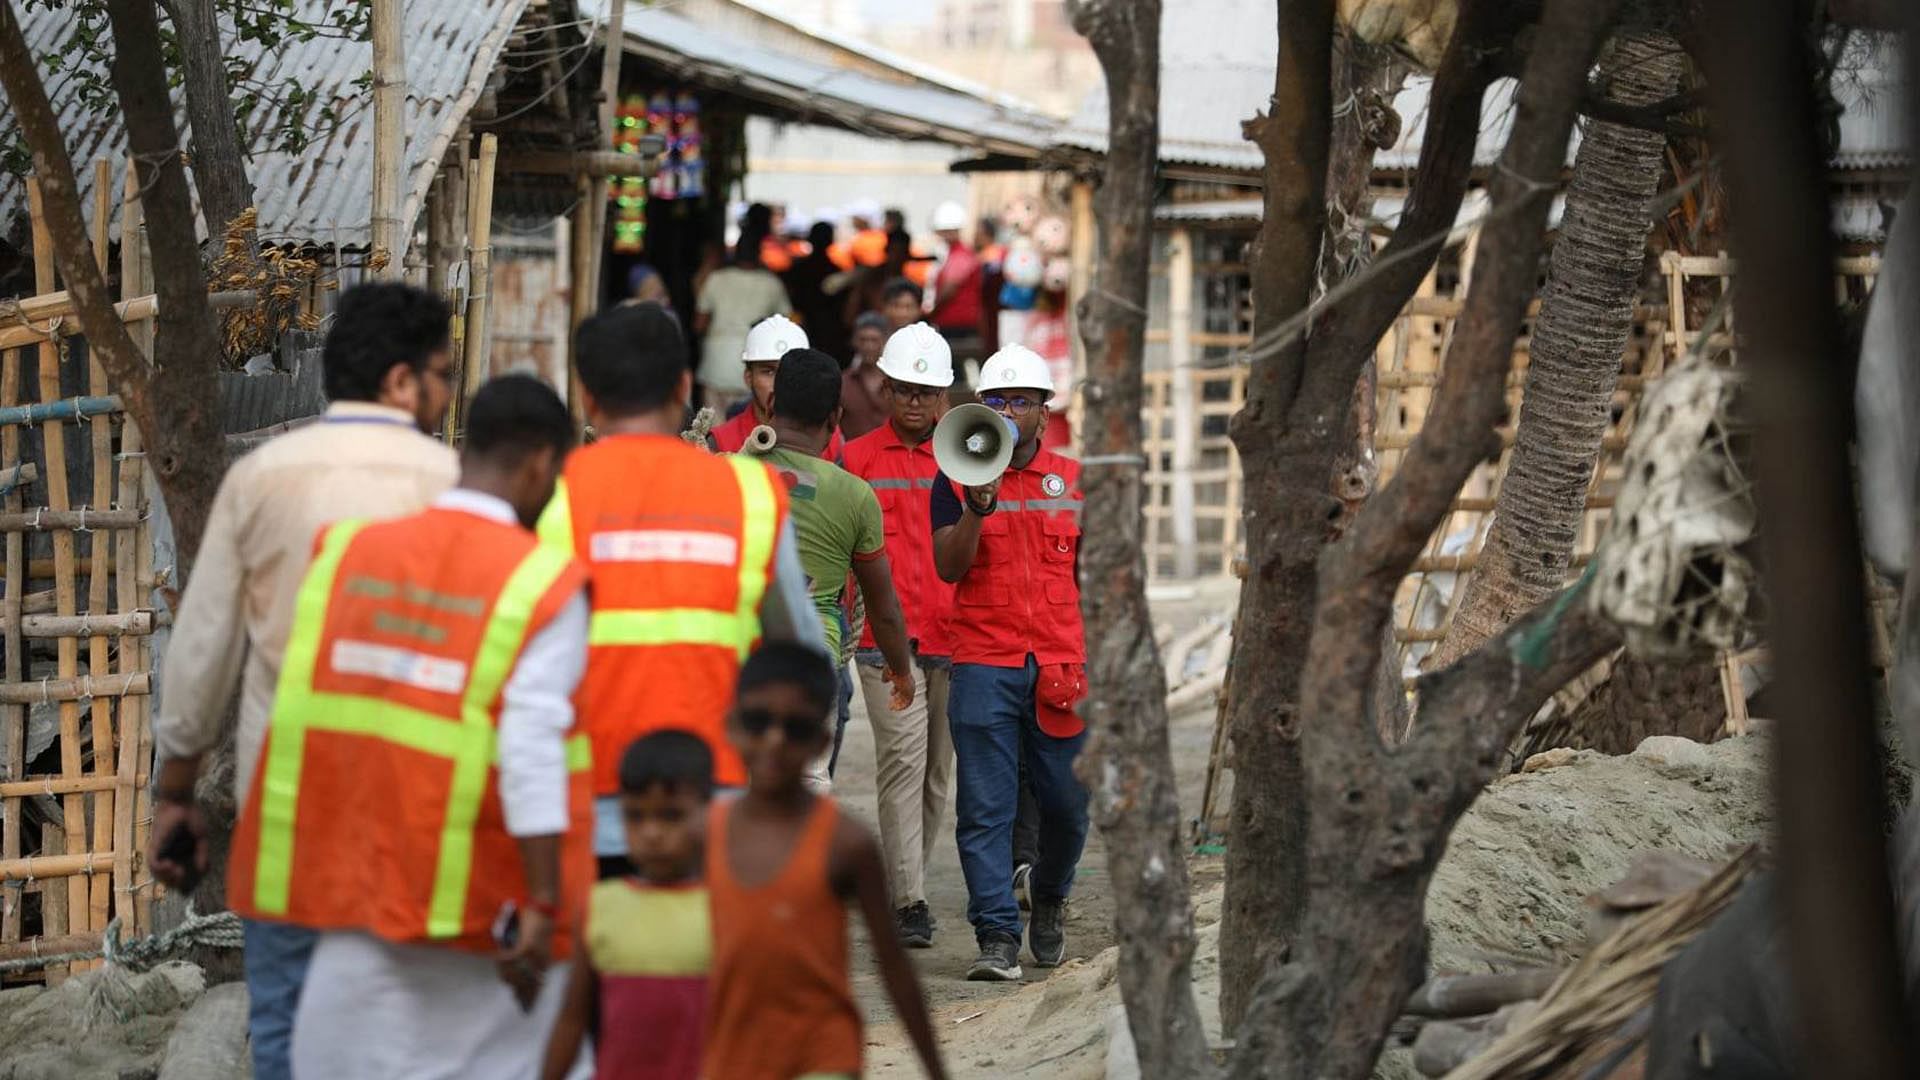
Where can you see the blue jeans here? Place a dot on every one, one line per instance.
(275, 959)
(991, 713)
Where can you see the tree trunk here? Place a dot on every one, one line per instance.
(1127, 764)
(175, 400)
(185, 443)
(1293, 434)
(1586, 315)
(1377, 820)
(1842, 952)
(219, 157)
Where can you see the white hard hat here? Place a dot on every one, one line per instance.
(949, 215)
(1015, 367)
(772, 337)
(918, 354)
(864, 208)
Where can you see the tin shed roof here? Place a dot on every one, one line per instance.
(323, 193)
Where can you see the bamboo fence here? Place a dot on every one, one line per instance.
(1408, 362)
(75, 620)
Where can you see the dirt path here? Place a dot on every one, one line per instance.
(1089, 916)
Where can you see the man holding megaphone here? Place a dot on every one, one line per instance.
(1005, 515)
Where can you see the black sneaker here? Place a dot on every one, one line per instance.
(915, 923)
(1047, 932)
(999, 959)
(1023, 885)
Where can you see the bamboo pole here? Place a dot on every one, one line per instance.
(480, 263)
(71, 689)
(66, 599)
(13, 718)
(1186, 425)
(585, 291)
(133, 569)
(74, 866)
(614, 47)
(389, 137)
(55, 785)
(63, 522)
(100, 710)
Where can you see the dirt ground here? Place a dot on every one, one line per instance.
(943, 968)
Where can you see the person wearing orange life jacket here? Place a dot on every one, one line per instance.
(691, 557)
(418, 784)
(1011, 548)
(770, 339)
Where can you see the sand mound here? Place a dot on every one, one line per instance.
(99, 1024)
(1508, 892)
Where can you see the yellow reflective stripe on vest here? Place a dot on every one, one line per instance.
(759, 525)
(500, 646)
(555, 528)
(286, 734)
(469, 742)
(736, 629)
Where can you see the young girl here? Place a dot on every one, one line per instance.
(639, 984)
(783, 866)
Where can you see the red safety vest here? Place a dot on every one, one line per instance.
(1020, 595)
(679, 544)
(375, 805)
(730, 437)
(902, 479)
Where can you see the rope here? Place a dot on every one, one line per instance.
(220, 930)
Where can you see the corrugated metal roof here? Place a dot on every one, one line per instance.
(1217, 71)
(827, 94)
(324, 193)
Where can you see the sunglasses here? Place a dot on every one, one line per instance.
(914, 393)
(797, 727)
(1018, 404)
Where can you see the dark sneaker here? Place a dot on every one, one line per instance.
(1023, 885)
(915, 923)
(999, 960)
(1047, 932)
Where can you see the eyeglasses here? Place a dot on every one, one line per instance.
(910, 393)
(1018, 404)
(797, 727)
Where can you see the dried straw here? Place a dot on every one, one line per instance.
(1601, 993)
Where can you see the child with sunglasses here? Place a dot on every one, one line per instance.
(783, 867)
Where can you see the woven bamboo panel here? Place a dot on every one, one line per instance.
(75, 623)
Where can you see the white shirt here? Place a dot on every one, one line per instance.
(359, 460)
(536, 707)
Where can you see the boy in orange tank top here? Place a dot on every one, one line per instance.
(783, 867)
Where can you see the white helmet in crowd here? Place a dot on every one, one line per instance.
(918, 354)
(949, 215)
(1015, 367)
(772, 337)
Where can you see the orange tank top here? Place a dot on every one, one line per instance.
(780, 1004)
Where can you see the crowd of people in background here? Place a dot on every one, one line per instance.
(851, 277)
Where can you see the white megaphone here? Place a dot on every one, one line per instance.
(973, 444)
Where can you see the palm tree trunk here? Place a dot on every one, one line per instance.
(1586, 314)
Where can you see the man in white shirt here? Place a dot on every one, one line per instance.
(388, 369)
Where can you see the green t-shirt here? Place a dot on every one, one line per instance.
(835, 519)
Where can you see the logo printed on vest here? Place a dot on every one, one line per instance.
(1053, 485)
(404, 666)
(665, 545)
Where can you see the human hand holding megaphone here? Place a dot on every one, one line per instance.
(973, 445)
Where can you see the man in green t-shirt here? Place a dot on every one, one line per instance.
(837, 523)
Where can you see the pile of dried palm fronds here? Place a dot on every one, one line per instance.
(279, 280)
(1578, 1024)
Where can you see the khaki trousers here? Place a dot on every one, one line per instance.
(913, 752)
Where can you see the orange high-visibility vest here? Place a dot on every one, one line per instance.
(678, 545)
(376, 804)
